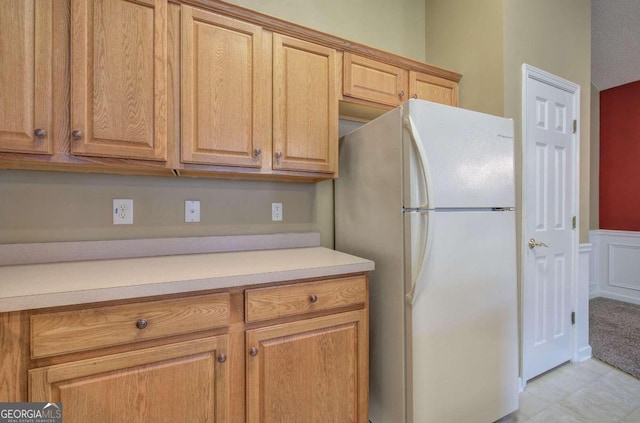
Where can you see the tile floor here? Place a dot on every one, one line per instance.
(587, 392)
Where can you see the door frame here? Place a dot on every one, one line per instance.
(531, 72)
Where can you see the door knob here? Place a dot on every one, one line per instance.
(533, 243)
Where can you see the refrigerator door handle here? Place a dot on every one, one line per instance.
(425, 254)
(422, 159)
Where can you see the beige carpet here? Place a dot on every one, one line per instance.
(614, 333)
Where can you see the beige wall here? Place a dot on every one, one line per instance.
(396, 26)
(489, 41)
(58, 206)
(556, 37)
(467, 36)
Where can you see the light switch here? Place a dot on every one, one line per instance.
(192, 211)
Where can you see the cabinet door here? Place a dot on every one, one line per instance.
(25, 76)
(312, 371)
(305, 106)
(433, 88)
(224, 91)
(369, 80)
(183, 382)
(118, 78)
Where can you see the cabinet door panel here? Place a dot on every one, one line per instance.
(140, 386)
(25, 75)
(309, 371)
(433, 88)
(118, 78)
(223, 91)
(305, 103)
(370, 80)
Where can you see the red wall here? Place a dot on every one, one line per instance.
(620, 158)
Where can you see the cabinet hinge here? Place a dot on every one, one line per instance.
(573, 222)
(573, 317)
(575, 126)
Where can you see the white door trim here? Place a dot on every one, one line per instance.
(531, 72)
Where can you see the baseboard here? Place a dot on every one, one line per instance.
(584, 354)
(619, 297)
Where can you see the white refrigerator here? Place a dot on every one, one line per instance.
(427, 192)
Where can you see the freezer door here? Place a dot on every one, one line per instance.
(464, 320)
(465, 158)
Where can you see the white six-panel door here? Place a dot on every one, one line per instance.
(549, 206)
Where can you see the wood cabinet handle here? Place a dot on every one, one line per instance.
(278, 155)
(222, 357)
(401, 94)
(313, 298)
(142, 323)
(257, 152)
(415, 96)
(77, 135)
(40, 133)
(253, 351)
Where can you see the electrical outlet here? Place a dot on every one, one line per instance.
(122, 212)
(192, 211)
(276, 212)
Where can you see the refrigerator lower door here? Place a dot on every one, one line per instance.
(464, 361)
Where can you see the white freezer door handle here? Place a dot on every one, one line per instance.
(424, 252)
(422, 159)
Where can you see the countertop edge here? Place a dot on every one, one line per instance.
(349, 265)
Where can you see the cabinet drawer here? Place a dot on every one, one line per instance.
(296, 299)
(79, 330)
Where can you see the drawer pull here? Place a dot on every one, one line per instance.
(313, 298)
(141, 324)
(253, 351)
(222, 357)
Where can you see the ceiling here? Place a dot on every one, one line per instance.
(615, 42)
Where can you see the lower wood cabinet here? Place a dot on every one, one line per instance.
(281, 352)
(186, 381)
(312, 371)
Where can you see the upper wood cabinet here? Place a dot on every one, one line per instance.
(305, 106)
(224, 90)
(375, 83)
(187, 87)
(367, 79)
(433, 88)
(26, 76)
(119, 78)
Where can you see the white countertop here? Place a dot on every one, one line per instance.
(29, 286)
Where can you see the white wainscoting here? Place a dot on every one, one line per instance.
(615, 265)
